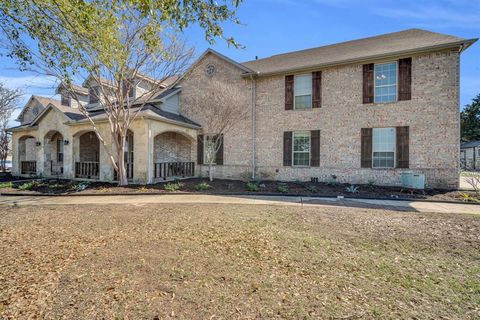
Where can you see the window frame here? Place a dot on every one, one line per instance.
(394, 148)
(311, 91)
(65, 98)
(375, 86)
(96, 90)
(309, 149)
(206, 138)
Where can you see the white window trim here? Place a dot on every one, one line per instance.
(394, 148)
(375, 87)
(309, 151)
(205, 139)
(311, 92)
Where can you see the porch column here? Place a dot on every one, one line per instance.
(141, 151)
(68, 158)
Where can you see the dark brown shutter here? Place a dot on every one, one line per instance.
(403, 141)
(200, 149)
(287, 148)
(368, 75)
(289, 92)
(366, 161)
(315, 148)
(219, 154)
(317, 89)
(405, 79)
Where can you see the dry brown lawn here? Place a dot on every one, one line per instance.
(236, 262)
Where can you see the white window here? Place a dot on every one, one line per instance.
(301, 148)
(209, 146)
(386, 82)
(384, 144)
(303, 92)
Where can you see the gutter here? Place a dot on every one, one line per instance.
(254, 124)
(463, 45)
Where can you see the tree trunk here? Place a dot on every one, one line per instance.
(210, 172)
(121, 172)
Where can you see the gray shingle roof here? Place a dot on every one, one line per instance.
(471, 144)
(388, 44)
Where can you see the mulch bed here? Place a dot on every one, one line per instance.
(220, 186)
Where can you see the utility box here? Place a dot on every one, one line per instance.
(412, 180)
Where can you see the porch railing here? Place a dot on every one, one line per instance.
(128, 168)
(166, 170)
(28, 167)
(87, 170)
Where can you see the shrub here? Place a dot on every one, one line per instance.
(252, 186)
(6, 185)
(473, 179)
(371, 183)
(202, 186)
(352, 189)
(333, 180)
(282, 188)
(312, 189)
(27, 185)
(173, 186)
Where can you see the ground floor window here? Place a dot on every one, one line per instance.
(301, 148)
(384, 147)
(209, 146)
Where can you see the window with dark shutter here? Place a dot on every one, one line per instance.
(405, 79)
(200, 149)
(219, 154)
(366, 142)
(403, 150)
(315, 148)
(289, 92)
(368, 81)
(287, 148)
(317, 89)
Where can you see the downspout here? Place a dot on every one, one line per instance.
(254, 124)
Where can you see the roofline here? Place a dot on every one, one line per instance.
(175, 91)
(44, 112)
(245, 69)
(22, 128)
(463, 44)
(142, 114)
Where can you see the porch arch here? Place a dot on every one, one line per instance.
(86, 152)
(173, 155)
(27, 155)
(53, 152)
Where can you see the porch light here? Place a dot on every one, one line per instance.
(38, 143)
(66, 142)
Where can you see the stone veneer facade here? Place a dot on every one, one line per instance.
(432, 115)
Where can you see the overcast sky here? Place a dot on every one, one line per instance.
(277, 26)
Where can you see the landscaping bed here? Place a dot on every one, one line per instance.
(219, 186)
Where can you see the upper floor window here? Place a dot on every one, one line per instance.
(93, 95)
(301, 148)
(386, 78)
(303, 92)
(383, 147)
(128, 86)
(65, 100)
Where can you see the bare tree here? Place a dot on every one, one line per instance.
(9, 99)
(222, 106)
(113, 44)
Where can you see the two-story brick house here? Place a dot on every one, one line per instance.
(364, 111)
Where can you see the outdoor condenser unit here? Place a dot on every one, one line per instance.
(412, 180)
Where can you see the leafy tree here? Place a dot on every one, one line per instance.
(470, 121)
(110, 42)
(9, 99)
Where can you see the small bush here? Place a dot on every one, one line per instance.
(252, 186)
(27, 186)
(202, 186)
(80, 186)
(173, 186)
(352, 189)
(142, 189)
(371, 184)
(312, 189)
(6, 185)
(282, 188)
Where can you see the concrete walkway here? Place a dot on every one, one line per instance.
(139, 200)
